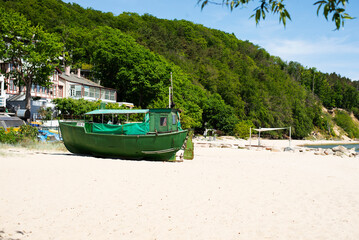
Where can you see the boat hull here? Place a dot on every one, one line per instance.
(161, 146)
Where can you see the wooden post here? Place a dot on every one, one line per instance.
(259, 138)
(250, 137)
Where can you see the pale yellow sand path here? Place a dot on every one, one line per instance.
(222, 194)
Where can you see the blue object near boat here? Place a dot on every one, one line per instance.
(47, 136)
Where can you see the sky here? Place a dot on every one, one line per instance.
(308, 39)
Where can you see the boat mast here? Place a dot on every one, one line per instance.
(169, 97)
(170, 94)
(171, 89)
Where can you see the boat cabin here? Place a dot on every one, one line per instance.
(164, 120)
(159, 120)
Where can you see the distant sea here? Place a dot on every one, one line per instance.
(349, 146)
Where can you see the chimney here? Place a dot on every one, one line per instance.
(78, 72)
(67, 70)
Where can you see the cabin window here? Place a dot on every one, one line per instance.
(163, 121)
(174, 118)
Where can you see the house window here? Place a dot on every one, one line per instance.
(92, 92)
(72, 91)
(38, 88)
(78, 89)
(32, 88)
(2, 67)
(61, 91)
(86, 91)
(107, 94)
(103, 93)
(112, 95)
(97, 93)
(12, 85)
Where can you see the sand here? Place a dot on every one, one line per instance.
(224, 193)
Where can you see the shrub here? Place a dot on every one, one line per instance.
(46, 113)
(344, 120)
(28, 131)
(241, 129)
(10, 137)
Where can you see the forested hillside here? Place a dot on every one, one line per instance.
(220, 81)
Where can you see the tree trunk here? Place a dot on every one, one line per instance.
(28, 95)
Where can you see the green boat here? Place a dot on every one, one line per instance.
(158, 137)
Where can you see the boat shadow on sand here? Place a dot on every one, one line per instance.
(68, 154)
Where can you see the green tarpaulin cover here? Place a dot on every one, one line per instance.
(127, 129)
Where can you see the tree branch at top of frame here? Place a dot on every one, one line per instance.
(335, 10)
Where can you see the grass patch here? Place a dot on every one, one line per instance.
(36, 145)
(188, 151)
(45, 146)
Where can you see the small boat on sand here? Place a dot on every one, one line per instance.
(158, 137)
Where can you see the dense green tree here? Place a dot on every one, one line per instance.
(141, 76)
(32, 52)
(135, 54)
(74, 108)
(137, 74)
(218, 115)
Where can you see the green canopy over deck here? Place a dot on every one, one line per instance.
(117, 111)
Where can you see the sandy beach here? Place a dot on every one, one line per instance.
(224, 193)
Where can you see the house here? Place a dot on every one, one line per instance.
(2, 92)
(64, 85)
(75, 86)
